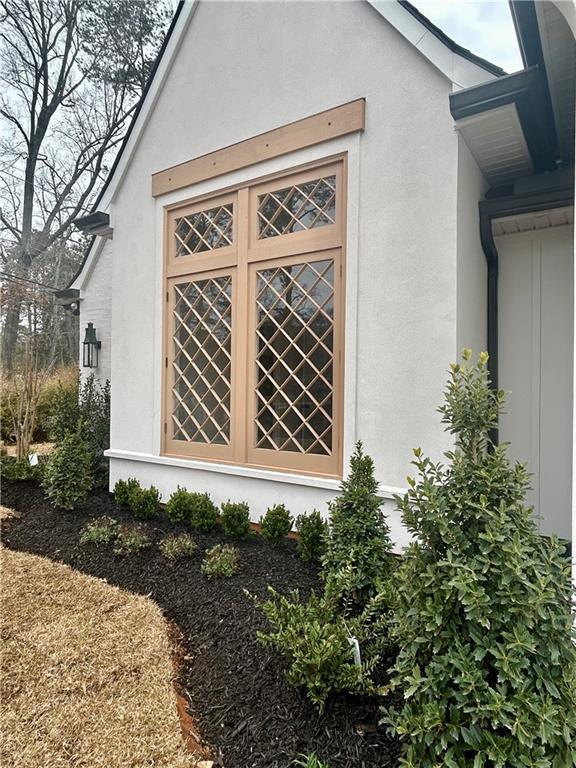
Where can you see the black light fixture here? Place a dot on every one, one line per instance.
(90, 348)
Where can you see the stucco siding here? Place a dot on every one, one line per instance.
(245, 68)
(96, 308)
(472, 270)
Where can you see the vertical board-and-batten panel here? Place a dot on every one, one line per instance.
(331, 124)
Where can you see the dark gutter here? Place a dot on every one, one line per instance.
(530, 201)
(451, 44)
(528, 35)
(527, 91)
(130, 129)
(93, 223)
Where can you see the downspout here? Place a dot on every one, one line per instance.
(491, 254)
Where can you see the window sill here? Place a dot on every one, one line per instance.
(312, 481)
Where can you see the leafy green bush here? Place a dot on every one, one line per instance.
(358, 537)
(487, 663)
(312, 531)
(70, 407)
(276, 523)
(180, 505)
(124, 490)
(144, 501)
(221, 561)
(235, 517)
(131, 539)
(178, 547)
(314, 637)
(203, 513)
(68, 475)
(102, 530)
(59, 408)
(21, 469)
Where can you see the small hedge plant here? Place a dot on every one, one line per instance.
(203, 513)
(179, 506)
(142, 502)
(358, 537)
(68, 475)
(102, 530)
(235, 518)
(316, 640)
(12, 468)
(131, 539)
(276, 523)
(124, 490)
(484, 622)
(221, 561)
(196, 509)
(312, 531)
(178, 547)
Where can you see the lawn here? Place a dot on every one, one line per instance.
(86, 672)
(239, 699)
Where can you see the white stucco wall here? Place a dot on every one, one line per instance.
(245, 68)
(96, 308)
(472, 270)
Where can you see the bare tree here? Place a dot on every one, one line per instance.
(71, 75)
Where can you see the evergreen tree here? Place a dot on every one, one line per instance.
(358, 541)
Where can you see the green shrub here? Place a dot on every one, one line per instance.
(59, 409)
(178, 547)
(235, 518)
(487, 662)
(144, 501)
(276, 523)
(312, 531)
(179, 506)
(221, 561)
(358, 536)
(131, 539)
(102, 530)
(310, 761)
(314, 637)
(203, 513)
(21, 469)
(124, 490)
(68, 475)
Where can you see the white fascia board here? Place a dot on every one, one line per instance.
(176, 38)
(460, 71)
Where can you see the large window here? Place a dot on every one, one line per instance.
(254, 321)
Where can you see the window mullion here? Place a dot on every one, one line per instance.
(240, 426)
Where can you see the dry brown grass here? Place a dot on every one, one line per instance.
(86, 673)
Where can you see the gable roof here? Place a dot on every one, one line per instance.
(458, 64)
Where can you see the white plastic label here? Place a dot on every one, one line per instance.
(355, 650)
(33, 459)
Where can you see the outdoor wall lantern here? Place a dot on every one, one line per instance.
(90, 348)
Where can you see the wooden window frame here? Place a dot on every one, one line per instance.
(242, 260)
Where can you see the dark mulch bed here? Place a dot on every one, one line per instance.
(238, 695)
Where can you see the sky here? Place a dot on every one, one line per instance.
(483, 26)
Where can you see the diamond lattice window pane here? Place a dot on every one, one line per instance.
(294, 333)
(202, 361)
(294, 209)
(204, 231)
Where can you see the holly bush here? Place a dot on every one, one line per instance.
(483, 621)
(68, 475)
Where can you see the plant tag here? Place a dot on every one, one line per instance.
(355, 650)
(33, 459)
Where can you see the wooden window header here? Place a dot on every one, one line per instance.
(324, 126)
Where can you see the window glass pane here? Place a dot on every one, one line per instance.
(294, 209)
(294, 328)
(202, 360)
(204, 231)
